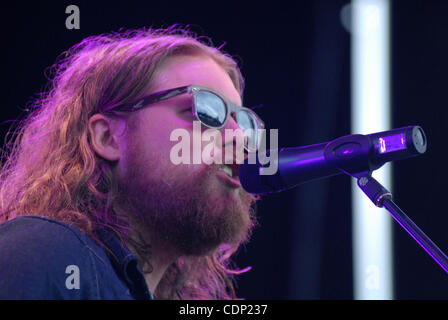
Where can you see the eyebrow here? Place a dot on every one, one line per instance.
(225, 97)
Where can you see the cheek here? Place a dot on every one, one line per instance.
(167, 139)
(158, 125)
(147, 150)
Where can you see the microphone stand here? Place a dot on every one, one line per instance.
(381, 197)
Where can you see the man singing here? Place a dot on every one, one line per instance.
(92, 205)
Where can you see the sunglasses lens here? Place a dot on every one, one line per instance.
(248, 124)
(210, 109)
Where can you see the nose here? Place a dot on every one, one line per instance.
(231, 123)
(233, 139)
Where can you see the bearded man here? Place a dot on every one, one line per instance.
(91, 204)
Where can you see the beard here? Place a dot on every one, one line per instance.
(185, 207)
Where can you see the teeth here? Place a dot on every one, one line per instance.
(227, 170)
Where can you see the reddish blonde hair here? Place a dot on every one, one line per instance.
(51, 170)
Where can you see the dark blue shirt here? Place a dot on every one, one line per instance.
(41, 258)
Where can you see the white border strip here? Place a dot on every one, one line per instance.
(372, 238)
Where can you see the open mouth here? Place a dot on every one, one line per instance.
(230, 174)
(230, 169)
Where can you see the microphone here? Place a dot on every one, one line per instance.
(354, 154)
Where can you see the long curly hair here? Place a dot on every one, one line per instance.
(50, 169)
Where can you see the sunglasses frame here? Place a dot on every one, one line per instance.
(191, 89)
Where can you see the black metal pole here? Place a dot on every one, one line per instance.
(381, 197)
(422, 239)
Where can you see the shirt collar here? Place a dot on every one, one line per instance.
(125, 263)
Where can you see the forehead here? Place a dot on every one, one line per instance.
(200, 70)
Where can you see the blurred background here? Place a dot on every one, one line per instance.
(296, 58)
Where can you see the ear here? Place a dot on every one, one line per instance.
(103, 137)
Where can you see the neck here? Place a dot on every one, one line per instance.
(159, 258)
